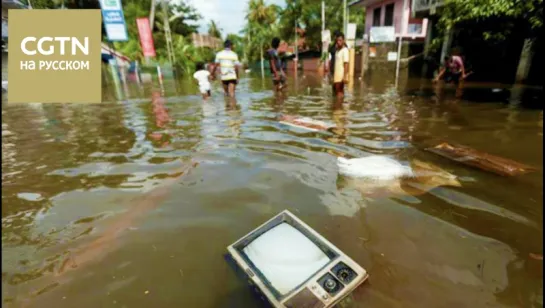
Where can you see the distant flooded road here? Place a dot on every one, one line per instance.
(132, 203)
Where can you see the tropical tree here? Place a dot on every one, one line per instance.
(458, 11)
(214, 30)
(288, 18)
(182, 19)
(260, 28)
(187, 55)
(308, 15)
(131, 49)
(487, 16)
(498, 23)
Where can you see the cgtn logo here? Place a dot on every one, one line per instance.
(48, 46)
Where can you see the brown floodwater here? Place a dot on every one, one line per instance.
(132, 203)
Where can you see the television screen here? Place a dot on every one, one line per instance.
(286, 257)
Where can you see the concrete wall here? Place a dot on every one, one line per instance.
(380, 61)
(379, 68)
(398, 13)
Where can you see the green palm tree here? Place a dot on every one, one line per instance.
(289, 17)
(214, 30)
(261, 26)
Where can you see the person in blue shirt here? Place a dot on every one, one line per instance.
(277, 65)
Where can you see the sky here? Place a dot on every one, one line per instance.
(228, 14)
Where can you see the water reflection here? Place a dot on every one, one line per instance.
(100, 186)
(161, 119)
(340, 118)
(235, 117)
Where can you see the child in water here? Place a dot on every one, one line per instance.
(203, 78)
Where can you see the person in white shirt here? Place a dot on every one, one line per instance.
(228, 62)
(340, 70)
(203, 79)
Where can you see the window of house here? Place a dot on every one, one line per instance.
(414, 28)
(389, 15)
(376, 17)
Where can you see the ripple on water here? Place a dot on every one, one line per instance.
(79, 172)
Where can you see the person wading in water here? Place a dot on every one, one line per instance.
(453, 70)
(228, 62)
(340, 73)
(276, 64)
(331, 60)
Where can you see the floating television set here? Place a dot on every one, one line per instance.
(295, 267)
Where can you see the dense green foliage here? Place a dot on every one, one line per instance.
(457, 11)
(181, 18)
(263, 23)
(308, 14)
(494, 20)
(260, 28)
(266, 21)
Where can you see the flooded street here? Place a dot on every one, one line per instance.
(133, 203)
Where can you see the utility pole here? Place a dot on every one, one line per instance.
(168, 37)
(296, 47)
(262, 64)
(323, 15)
(344, 17)
(401, 32)
(151, 20)
(324, 46)
(152, 14)
(246, 49)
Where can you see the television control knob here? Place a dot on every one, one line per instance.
(344, 274)
(330, 284)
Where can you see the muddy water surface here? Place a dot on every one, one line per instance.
(132, 203)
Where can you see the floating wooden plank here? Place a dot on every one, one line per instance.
(481, 160)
